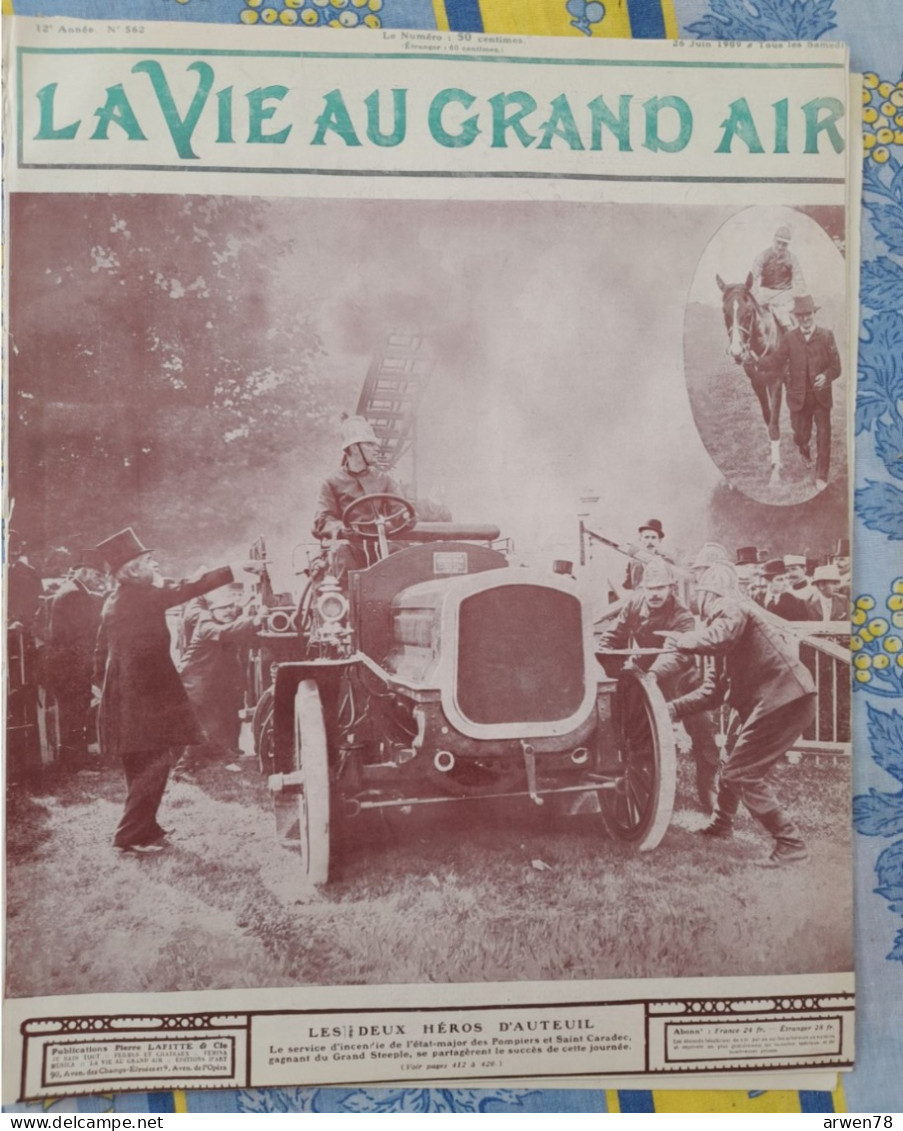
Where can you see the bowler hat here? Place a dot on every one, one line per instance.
(804, 304)
(120, 548)
(654, 525)
(783, 234)
(747, 555)
(773, 569)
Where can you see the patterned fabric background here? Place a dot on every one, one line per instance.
(873, 32)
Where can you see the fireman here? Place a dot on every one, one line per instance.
(359, 475)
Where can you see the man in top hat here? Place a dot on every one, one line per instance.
(747, 566)
(833, 604)
(74, 618)
(841, 558)
(800, 586)
(778, 277)
(779, 600)
(811, 363)
(655, 608)
(757, 673)
(144, 713)
(359, 475)
(651, 536)
(213, 669)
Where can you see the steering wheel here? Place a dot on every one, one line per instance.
(371, 515)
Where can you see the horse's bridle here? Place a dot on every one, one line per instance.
(746, 333)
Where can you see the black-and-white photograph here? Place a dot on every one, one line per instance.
(408, 591)
(765, 334)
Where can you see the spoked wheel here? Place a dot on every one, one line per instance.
(262, 730)
(302, 810)
(639, 808)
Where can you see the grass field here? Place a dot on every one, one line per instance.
(474, 892)
(730, 424)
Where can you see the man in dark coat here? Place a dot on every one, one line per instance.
(799, 586)
(651, 536)
(144, 711)
(758, 673)
(73, 622)
(654, 609)
(833, 603)
(213, 668)
(779, 600)
(811, 364)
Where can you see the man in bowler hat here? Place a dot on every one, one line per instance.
(811, 364)
(651, 537)
(144, 711)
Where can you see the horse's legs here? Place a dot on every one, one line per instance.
(775, 396)
(761, 391)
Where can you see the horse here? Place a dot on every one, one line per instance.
(754, 335)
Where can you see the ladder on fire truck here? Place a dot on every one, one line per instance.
(396, 378)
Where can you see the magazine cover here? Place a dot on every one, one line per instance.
(428, 587)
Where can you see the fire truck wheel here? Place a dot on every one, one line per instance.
(310, 758)
(639, 809)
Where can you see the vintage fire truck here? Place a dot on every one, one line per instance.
(440, 673)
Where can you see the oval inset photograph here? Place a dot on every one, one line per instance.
(764, 342)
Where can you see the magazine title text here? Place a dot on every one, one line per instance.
(183, 103)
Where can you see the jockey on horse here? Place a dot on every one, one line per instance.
(778, 278)
(757, 313)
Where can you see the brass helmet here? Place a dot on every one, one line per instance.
(720, 578)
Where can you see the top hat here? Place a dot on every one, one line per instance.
(120, 548)
(561, 565)
(783, 234)
(842, 549)
(87, 558)
(357, 430)
(747, 555)
(773, 569)
(654, 525)
(804, 304)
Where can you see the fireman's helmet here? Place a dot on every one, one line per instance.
(657, 573)
(357, 430)
(721, 579)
